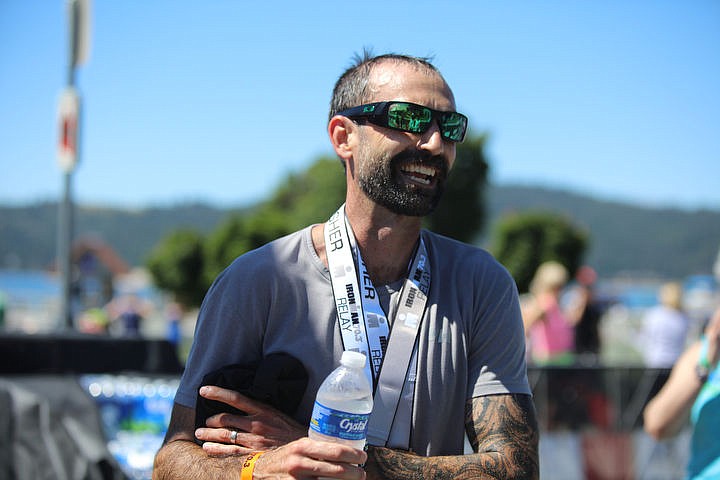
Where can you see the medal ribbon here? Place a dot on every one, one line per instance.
(356, 299)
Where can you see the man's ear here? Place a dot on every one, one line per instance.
(341, 130)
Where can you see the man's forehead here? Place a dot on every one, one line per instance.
(402, 81)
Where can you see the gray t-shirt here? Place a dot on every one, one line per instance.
(278, 298)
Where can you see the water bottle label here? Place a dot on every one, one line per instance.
(339, 424)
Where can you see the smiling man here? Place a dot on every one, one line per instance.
(438, 319)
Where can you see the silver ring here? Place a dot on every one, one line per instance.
(233, 436)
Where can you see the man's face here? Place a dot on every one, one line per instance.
(410, 182)
(405, 172)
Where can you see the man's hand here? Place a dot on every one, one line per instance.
(263, 428)
(182, 458)
(288, 454)
(307, 458)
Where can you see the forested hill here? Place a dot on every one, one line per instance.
(624, 238)
(28, 235)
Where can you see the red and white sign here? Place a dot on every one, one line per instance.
(68, 125)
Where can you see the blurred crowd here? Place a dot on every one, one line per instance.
(564, 318)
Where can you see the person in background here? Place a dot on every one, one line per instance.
(94, 321)
(692, 390)
(174, 314)
(585, 312)
(394, 126)
(548, 329)
(664, 329)
(129, 321)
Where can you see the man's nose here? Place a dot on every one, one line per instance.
(432, 139)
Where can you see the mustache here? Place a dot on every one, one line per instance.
(422, 157)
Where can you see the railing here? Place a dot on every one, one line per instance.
(591, 424)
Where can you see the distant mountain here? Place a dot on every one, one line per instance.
(28, 235)
(624, 238)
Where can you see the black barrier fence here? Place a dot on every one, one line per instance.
(78, 353)
(604, 398)
(590, 420)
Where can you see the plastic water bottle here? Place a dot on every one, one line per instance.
(343, 404)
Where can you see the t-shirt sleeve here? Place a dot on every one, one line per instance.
(497, 359)
(229, 327)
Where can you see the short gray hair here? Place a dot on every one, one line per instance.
(351, 89)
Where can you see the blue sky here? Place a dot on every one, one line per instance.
(219, 100)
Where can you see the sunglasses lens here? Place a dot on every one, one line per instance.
(408, 117)
(453, 126)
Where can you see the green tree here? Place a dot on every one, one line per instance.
(224, 244)
(523, 241)
(310, 196)
(240, 234)
(176, 265)
(301, 199)
(461, 212)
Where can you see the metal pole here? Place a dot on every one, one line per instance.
(66, 221)
(65, 238)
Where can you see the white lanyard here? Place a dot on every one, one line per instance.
(371, 336)
(346, 291)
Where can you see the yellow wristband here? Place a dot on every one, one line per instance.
(249, 466)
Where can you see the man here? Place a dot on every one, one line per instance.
(465, 362)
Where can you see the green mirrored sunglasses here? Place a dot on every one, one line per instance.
(410, 117)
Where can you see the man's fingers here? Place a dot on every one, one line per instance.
(309, 458)
(241, 423)
(312, 468)
(231, 397)
(221, 450)
(332, 452)
(227, 436)
(239, 438)
(220, 435)
(227, 420)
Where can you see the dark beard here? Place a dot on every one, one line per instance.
(385, 188)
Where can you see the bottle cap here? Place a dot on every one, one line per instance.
(352, 359)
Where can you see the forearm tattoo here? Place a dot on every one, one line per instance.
(503, 432)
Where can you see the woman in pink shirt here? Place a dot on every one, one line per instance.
(550, 333)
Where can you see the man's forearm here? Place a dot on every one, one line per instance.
(384, 463)
(186, 460)
(502, 430)
(181, 458)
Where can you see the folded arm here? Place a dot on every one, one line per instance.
(182, 458)
(502, 430)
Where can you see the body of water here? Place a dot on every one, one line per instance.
(29, 285)
(31, 299)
